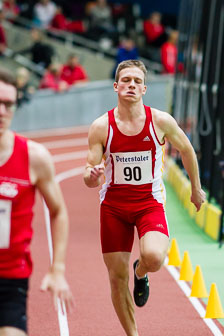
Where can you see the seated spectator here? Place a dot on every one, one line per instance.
(24, 89)
(72, 72)
(100, 17)
(126, 51)
(154, 30)
(3, 41)
(44, 11)
(169, 53)
(52, 79)
(11, 9)
(60, 22)
(41, 52)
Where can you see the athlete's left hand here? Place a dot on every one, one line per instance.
(56, 283)
(198, 197)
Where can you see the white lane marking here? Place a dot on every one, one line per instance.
(62, 318)
(194, 301)
(65, 143)
(70, 173)
(69, 156)
(56, 131)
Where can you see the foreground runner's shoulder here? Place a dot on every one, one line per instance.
(41, 162)
(38, 152)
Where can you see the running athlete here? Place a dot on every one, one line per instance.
(25, 166)
(130, 138)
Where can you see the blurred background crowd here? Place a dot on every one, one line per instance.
(121, 31)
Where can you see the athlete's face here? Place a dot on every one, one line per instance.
(7, 103)
(130, 85)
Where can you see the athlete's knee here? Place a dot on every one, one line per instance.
(118, 279)
(152, 260)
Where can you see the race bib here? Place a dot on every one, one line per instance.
(5, 223)
(132, 167)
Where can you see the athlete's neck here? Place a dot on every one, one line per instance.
(130, 122)
(129, 112)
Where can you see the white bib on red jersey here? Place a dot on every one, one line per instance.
(133, 164)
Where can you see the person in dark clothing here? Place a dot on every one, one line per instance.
(126, 51)
(41, 53)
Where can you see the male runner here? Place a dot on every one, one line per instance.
(24, 167)
(130, 138)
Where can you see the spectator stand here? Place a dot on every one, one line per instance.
(90, 52)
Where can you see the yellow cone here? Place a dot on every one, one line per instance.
(214, 306)
(186, 270)
(198, 288)
(174, 254)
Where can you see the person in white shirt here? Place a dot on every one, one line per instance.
(44, 11)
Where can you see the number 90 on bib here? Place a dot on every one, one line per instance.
(132, 167)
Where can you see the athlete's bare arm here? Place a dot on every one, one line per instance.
(167, 127)
(43, 177)
(97, 140)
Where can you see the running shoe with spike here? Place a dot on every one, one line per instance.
(141, 288)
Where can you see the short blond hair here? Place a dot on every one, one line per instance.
(130, 64)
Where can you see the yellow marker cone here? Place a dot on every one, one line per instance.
(214, 306)
(198, 288)
(174, 254)
(186, 270)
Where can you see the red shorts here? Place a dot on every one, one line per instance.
(117, 224)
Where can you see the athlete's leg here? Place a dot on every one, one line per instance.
(9, 331)
(153, 248)
(118, 268)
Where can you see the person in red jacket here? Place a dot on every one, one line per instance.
(169, 53)
(72, 72)
(154, 30)
(52, 79)
(3, 42)
(60, 22)
(25, 166)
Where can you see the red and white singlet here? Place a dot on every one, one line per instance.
(17, 196)
(133, 165)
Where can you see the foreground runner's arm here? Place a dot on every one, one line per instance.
(94, 167)
(43, 177)
(174, 134)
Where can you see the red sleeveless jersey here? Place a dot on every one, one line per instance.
(17, 197)
(133, 165)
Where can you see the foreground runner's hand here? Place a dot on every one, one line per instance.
(56, 283)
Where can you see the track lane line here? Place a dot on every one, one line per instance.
(194, 301)
(65, 143)
(56, 131)
(62, 317)
(69, 156)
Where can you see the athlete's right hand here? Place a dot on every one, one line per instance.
(96, 171)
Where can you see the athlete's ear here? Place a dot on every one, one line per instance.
(115, 86)
(144, 90)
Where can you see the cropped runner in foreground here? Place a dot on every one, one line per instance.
(25, 166)
(130, 138)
